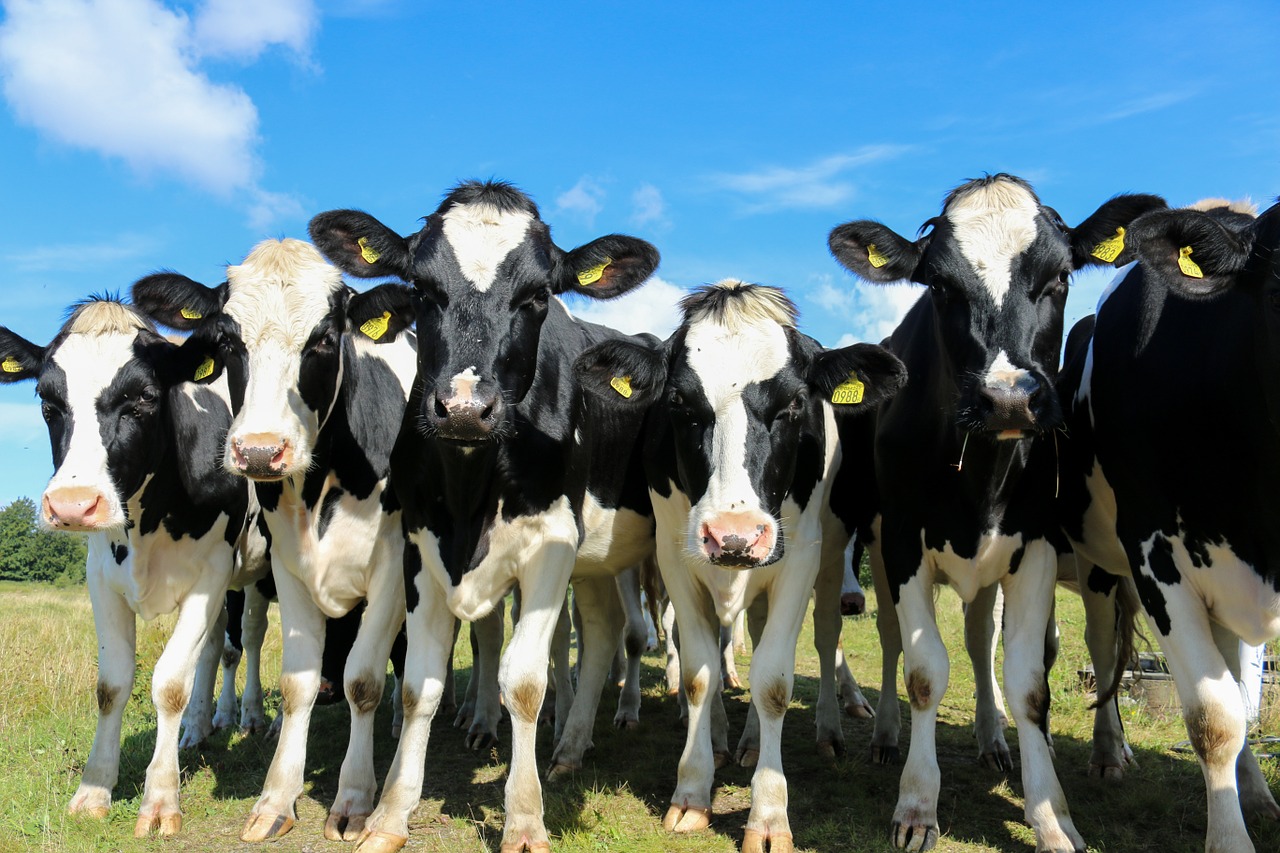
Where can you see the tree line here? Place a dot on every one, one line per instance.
(29, 552)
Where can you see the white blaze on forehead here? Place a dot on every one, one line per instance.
(481, 237)
(993, 224)
(280, 293)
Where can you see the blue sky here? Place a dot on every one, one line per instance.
(146, 134)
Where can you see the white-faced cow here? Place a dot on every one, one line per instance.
(135, 455)
(1173, 404)
(739, 447)
(319, 375)
(503, 474)
(957, 497)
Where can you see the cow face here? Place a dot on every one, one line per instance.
(102, 385)
(741, 392)
(996, 262)
(484, 269)
(279, 326)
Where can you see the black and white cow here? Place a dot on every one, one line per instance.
(739, 449)
(503, 476)
(319, 375)
(957, 498)
(135, 455)
(1173, 405)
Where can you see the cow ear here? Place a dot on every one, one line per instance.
(176, 301)
(623, 372)
(605, 267)
(360, 245)
(1103, 238)
(1190, 251)
(19, 358)
(875, 252)
(195, 359)
(856, 378)
(382, 313)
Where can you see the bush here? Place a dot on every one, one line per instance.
(28, 552)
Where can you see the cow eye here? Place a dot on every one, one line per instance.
(149, 395)
(676, 399)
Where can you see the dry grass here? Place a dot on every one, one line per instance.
(614, 804)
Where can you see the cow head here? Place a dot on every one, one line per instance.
(484, 269)
(741, 392)
(996, 262)
(102, 384)
(281, 328)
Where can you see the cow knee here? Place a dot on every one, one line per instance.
(922, 689)
(364, 692)
(774, 698)
(524, 700)
(1216, 733)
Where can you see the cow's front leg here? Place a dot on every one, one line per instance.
(635, 637)
(544, 582)
(884, 736)
(748, 751)
(302, 625)
(253, 717)
(1028, 610)
(170, 690)
(482, 708)
(198, 718)
(981, 618)
(116, 626)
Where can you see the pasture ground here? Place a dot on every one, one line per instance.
(615, 803)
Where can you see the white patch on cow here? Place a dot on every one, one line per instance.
(481, 237)
(462, 386)
(1003, 372)
(967, 575)
(401, 356)
(1120, 276)
(993, 223)
(1101, 546)
(278, 295)
(611, 538)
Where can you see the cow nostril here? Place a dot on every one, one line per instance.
(487, 413)
(440, 410)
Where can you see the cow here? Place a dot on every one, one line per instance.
(1169, 476)
(739, 447)
(504, 474)
(135, 455)
(318, 375)
(958, 494)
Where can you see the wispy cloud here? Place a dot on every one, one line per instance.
(648, 207)
(651, 307)
(124, 78)
(584, 199)
(866, 312)
(820, 184)
(1139, 106)
(76, 257)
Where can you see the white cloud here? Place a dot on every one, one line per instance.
(866, 312)
(70, 257)
(651, 307)
(648, 206)
(122, 78)
(585, 198)
(817, 185)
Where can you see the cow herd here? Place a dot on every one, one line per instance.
(410, 454)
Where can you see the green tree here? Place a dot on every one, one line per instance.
(30, 553)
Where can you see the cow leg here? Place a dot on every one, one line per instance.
(253, 717)
(884, 737)
(1028, 610)
(748, 752)
(600, 618)
(826, 641)
(197, 719)
(1111, 754)
(635, 638)
(980, 621)
(562, 680)
(171, 683)
(449, 701)
(1255, 794)
(116, 626)
(482, 733)
(544, 582)
(699, 668)
(430, 630)
(773, 663)
(302, 626)
(364, 679)
(227, 712)
(672, 673)
(731, 639)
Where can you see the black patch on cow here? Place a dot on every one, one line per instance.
(1161, 562)
(412, 568)
(120, 552)
(1101, 581)
(327, 508)
(234, 604)
(1015, 559)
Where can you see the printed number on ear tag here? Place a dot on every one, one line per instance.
(848, 392)
(1109, 249)
(190, 314)
(367, 252)
(10, 365)
(1189, 267)
(205, 370)
(377, 327)
(874, 257)
(591, 276)
(621, 384)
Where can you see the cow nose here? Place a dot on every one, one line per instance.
(1010, 407)
(466, 417)
(741, 540)
(74, 508)
(261, 456)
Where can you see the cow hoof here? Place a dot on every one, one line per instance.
(859, 710)
(691, 819)
(95, 812)
(525, 844)
(998, 759)
(377, 841)
(748, 757)
(273, 731)
(762, 842)
(1106, 772)
(884, 754)
(260, 827)
(722, 759)
(163, 824)
(914, 837)
(732, 682)
(559, 771)
(344, 827)
(479, 740)
(627, 723)
(93, 804)
(830, 749)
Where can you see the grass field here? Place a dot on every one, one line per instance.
(615, 803)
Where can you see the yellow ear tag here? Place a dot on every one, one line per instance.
(874, 257)
(1189, 267)
(848, 392)
(377, 327)
(621, 384)
(205, 370)
(190, 314)
(10, 365)
(367, 252)
(1109, 249)
(591, 276)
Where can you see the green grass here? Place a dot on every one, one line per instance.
(615, 803)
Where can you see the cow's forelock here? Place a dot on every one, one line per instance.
(993, 223)
(482, 236)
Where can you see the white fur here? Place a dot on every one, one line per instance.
(993, 224)
(481, 237)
